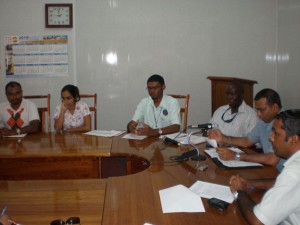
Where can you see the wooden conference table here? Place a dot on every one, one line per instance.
(51, 176)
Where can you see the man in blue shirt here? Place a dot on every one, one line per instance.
(267, 105)
(157, 114)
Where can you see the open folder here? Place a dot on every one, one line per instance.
(231, 164)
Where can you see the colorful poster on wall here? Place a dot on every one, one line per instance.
(36, 55)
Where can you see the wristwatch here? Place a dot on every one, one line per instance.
(160, 132)
(18, 131)
(238, 156)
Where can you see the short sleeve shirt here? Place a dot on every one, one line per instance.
(27, 110)
(281, 203)
(166, 114)
(244, 120)
(77, 118)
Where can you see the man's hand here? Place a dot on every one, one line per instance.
(237, 182)
(131, 127)
(215, 134)
(147, 130)
(226, 154)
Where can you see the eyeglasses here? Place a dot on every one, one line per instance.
(71, 220)
(229, 120)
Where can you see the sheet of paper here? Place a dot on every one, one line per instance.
(105, 133)
(231, 163)
(210, 190)
(133, 136)
(16, 136)
(180, 199)
(183, 138)
(212, 142)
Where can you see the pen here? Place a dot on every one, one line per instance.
(3, 210)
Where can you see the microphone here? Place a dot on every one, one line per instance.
(186, 155)
(205, 126)
(171, 141)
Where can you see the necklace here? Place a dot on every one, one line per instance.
(156, 120)
(229, 120)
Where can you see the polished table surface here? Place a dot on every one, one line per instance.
(40, 202)
(132, 199)
(52, 156)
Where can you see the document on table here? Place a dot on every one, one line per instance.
(231, 163)
(134, 136)
(183, 138)
(105, 133)
(180, 199)
(15, 136)
(210, 190)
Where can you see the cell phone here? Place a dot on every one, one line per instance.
(218, 203)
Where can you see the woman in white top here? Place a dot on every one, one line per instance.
(72, 114)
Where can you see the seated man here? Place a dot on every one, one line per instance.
(237, 118)
(18, 115)
(267, 105)
(281, 203)
(158, 114)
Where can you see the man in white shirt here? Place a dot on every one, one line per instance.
(237, 118)
(157, 114)
(18, 115)
(281, 203)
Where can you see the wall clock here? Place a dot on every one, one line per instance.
(59, 15)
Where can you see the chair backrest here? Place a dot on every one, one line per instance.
(93, 107)
(184, 109)
(44, 111)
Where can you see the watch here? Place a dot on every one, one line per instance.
(238, 156)
(18, 131)
(160, 131)
(58, 15)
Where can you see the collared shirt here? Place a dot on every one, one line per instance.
(166, 114)
(260, 134)
(77, 118)
(29, 113)
(244, 121)
(281, 203)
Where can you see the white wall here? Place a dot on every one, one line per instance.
(289, 52)
(185, 41)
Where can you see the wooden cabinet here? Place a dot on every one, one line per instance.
(218, 88)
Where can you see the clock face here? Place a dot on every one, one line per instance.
(59, 15)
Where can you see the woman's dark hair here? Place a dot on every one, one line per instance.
(291, 122)
(271, 96)
(73, 90)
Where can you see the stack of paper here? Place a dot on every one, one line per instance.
(105, 133)
(231, 163)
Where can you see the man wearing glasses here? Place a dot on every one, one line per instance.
(237, 118)
(157, 114)
(267, 105)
